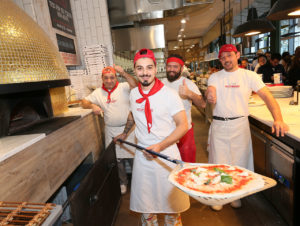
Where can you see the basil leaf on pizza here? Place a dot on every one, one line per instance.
(226, 179)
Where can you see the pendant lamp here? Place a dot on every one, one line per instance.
(253, 26)
(285, 9)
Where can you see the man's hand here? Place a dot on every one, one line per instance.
(121, 136)
(184, 91)
(97, 110)
(155, 148)
(280, 128)
(211, 95)
(119, 70)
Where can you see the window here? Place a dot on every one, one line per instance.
(290, 35)
(297, 38)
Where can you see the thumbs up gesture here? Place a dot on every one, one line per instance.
(184, 91)
(211, 95)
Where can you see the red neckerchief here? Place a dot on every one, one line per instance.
(109, 92)
(157, 86)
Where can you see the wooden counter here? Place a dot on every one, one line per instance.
(34, 173)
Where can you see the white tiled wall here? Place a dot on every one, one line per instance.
(92, 24)
(90, 17)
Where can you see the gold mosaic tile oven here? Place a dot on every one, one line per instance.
(30, 66)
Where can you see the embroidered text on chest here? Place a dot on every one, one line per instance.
(232, 85)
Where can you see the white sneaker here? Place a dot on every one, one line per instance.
(123, 189)
(236, 204)
(217, 208)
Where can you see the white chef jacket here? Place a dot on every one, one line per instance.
(186, 103)
(230, 141)
(115, 112)
(150, 190)
(115, 115)
(233, 91)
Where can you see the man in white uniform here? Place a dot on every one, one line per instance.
(113, 100)
(189, 94)
(230, 89)
(160, 121)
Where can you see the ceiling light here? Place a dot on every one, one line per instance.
(253, 25)
(295, 13)
(179, 36)
(284, 9)
(180, 40)
(183, 21)
(182, 29)
(252, 33)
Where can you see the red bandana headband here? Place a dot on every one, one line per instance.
(108, 70)
(175, 59)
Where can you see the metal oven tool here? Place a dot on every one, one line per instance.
(140, 148)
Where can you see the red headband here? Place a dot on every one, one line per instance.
(108, 70)
(175, 59)
(148, 54)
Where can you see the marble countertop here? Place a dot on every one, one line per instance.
(290, 114)
(11, 145)
(76, 111)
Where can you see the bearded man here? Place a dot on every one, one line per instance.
(189, 94)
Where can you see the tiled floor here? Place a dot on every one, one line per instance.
(256, 211)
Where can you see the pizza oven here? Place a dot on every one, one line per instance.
(32, 73)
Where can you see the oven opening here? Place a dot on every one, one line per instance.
(27, 109)
(20, 111)
(23, 116)
(29, 113)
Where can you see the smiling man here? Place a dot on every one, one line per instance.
(229, 90)
(189, 94)
(160, 121)
(112, 99)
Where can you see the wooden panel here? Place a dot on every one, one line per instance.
(38, 171)
(97, 198)
(20, 177)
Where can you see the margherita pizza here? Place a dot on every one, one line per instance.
(217, 181)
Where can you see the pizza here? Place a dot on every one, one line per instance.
(216, 180)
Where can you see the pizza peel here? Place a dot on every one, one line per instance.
(208, 199)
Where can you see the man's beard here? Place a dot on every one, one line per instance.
(173, 78)
(146, 83)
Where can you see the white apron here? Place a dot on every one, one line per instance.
(230, 143)
(122, 151)
(150, 190)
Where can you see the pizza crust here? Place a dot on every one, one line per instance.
(255, 184)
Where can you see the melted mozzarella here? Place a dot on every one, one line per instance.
(200, 170)
(243, 174)
(216, 180)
